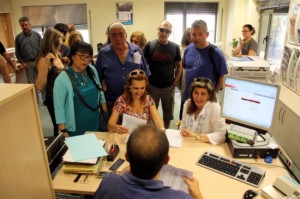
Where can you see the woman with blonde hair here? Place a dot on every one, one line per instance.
(74, 37)
(49, 66)
(138, 38)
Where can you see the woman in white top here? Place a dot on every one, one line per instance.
(201, 114)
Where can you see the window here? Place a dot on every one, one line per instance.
(43, 17)
(182, 15)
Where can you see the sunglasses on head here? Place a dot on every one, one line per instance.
(203, 82)
(163, 30)
(136, 72)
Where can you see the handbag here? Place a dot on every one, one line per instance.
(103, 116)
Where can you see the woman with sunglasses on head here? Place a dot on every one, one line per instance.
(248, 46)
(78, 94)
(201, 114)
(135, 102)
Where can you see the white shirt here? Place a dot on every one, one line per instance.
(207, 122)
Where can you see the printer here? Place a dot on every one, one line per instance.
(251, 67)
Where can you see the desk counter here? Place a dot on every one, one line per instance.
(212, 185)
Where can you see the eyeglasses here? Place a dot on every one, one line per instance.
(203, 82)
(84, 58)
(163, 30)
(136, 72)
(245, 30)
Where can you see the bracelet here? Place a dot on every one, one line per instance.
(198, 137)
(62, 131)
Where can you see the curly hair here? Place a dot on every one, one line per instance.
(140, 36)
(205, 83)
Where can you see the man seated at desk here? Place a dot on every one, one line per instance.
(147, 152)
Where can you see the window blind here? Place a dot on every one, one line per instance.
(53, 14)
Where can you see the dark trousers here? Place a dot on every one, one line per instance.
(50, 107)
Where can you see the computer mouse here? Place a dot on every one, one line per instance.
(249, 194)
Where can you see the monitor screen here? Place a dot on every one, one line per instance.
(249, 102)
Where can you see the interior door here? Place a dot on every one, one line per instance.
(263, 34)
(6, 31)
(277, 31)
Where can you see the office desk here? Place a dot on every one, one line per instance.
(212, 185)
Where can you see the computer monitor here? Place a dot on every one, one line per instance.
(249, 103)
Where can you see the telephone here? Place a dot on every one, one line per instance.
(284, 187)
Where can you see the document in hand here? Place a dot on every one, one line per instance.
(84, 147)
(173, 177)
(132, 122)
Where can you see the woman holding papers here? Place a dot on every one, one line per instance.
(134, 102)
(78, 95)
(201, 114)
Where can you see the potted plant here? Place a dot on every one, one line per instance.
(234, 43)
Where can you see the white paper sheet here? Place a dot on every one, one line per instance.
(173, 177)
(174, 137)
(131, 123)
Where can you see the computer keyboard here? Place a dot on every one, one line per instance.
(231, 168)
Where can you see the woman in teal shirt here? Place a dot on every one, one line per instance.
(78, 94)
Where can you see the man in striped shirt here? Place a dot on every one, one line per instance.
(27, 47)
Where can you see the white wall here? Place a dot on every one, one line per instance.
(146, 16)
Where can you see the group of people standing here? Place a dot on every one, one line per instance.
(129, 78)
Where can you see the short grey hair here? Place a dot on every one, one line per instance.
(22, 19)
(199, 24)
(116, 25)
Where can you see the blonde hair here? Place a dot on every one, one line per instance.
(140, 36)
(50, 42)
(72, 37)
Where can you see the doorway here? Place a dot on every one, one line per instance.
(271, 37)
(6, 31)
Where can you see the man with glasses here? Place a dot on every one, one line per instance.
(164, 61)
(202, 59)
(115, 61)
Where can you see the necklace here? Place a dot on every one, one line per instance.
(83, 81)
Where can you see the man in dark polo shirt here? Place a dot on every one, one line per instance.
(164, 59)
(147, 152)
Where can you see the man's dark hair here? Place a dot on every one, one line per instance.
(147, 150)
(63, 28)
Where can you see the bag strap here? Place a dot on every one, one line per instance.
(212, 61)
(78, 93)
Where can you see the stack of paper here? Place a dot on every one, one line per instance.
(83, 152)
(80, 168)
(85, 147)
